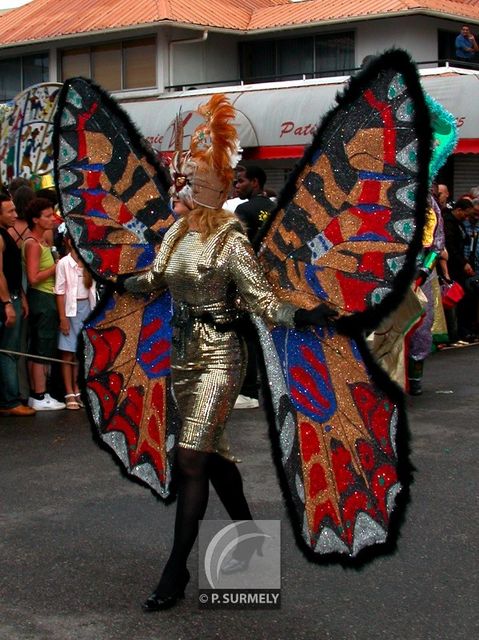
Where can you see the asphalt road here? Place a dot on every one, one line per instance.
(81, 546)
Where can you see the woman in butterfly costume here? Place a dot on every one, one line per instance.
(343, 239)
(205, 259)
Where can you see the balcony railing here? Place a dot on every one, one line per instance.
(327, 73)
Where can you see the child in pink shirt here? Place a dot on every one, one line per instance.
(76, 297)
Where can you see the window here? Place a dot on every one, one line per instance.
(446, 44)
(34, 70)
(119, 65)
(139, 64)
(295, 56)
(17, 74)
(334, 52)
(106, 66)
(258, 61)
(76, 63)
(289, 58)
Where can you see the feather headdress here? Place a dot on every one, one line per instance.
(181, 182)
(203, 176)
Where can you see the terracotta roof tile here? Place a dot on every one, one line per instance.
(314, 11)
(43, 19)
(28, 23)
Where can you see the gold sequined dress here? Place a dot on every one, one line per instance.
(208, 356)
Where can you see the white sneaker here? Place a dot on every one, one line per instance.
(47, 404)
(244, 402)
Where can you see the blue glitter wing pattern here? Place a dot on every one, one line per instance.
(346, 232)
(113, 195)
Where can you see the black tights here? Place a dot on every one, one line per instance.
(228, 484)
(195, 470)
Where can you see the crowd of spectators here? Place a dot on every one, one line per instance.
(44, 298)
(461, 226)
(46, 295)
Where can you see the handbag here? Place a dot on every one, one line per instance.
(451, 293)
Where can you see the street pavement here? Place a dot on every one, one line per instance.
(81, 546)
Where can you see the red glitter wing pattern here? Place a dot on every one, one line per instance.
(127, 376)
(113, 195)
(336, 431)
(346, 232)
(113, 191)
(350, 223)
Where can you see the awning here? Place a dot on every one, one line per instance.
(467, 145)
(278, 120)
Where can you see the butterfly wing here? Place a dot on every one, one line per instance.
(337, 438)
(127, 381)
(349, 223)
(347, 232)
(113, 196)
(113, 191)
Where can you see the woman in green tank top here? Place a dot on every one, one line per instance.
(39, 267)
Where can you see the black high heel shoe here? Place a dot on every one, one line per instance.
(243, 554)
(160, 600)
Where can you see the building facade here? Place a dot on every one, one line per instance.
(282, 62)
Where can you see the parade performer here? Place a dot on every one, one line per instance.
(343, 241)
(419, 342)
(404, 338)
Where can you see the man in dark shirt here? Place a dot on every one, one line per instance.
(13, 305)
(250, 185)
(253, 214)
(459, 267)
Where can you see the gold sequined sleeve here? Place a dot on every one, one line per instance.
(146, 282)
(252, 284)
(153, 280)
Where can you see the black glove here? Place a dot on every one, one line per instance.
(319, 316)
(119, 284)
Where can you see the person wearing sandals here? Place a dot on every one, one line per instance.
(76, 297)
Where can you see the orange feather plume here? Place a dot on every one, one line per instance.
(215, 142)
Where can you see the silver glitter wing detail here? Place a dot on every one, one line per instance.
(366, 533)
(329, 542)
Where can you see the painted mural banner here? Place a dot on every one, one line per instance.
(26, 126)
